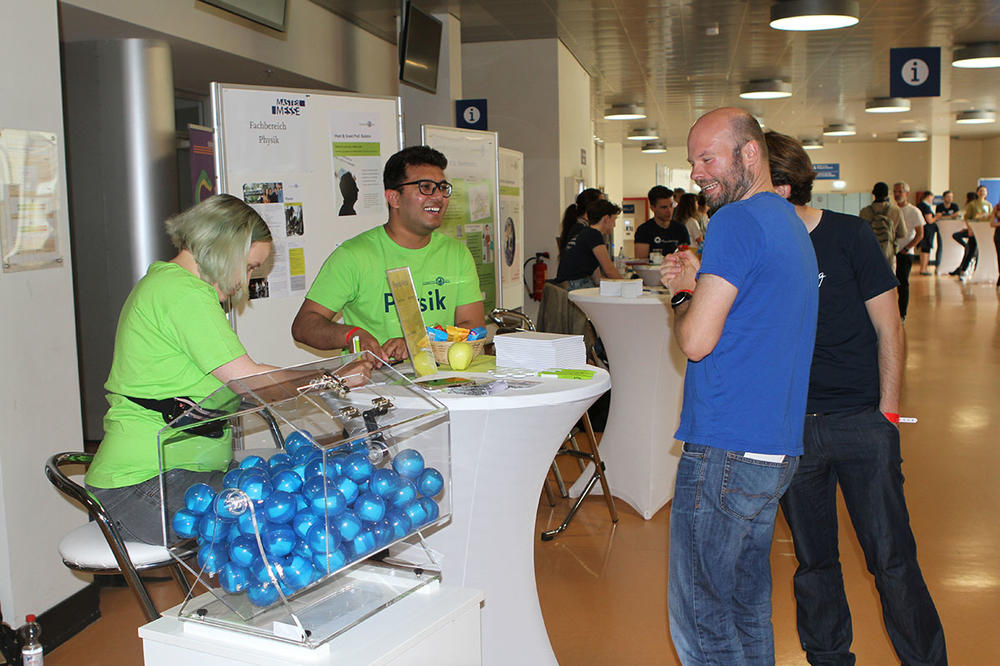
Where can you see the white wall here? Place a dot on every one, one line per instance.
(576, 135)
(639, 173)
(39, 396)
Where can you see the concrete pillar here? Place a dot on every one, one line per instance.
(939, 166)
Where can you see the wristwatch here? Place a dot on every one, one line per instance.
(681, 296)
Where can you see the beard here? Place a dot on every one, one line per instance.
(733, 185)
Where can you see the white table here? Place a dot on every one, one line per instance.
(647, 369)
(986, 265)
(437, 625)
(951, 252)
(501, 450)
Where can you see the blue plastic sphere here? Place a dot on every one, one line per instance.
(327, 563)
(305, 454)
(262, 594)
(384, 482)
(347, 488)
(256, 484)
(323, 538)
(319, 467)
(303, 521)
(229, 504)
(370, 507)
(431, 507)
(301, 503)
(430, 482)
(232, 478)
(254, 462)
(245, 522)
(364, 487)
(212, 528)
(405, 495)
(242, 550)
(258, 571)
(408, 463)
(278, 540)
(296, 440)
(336, 458)
(330, 504)
(198, 498)
(234, 578)
(358, 445)
(234, 532)
(383, 533)
(286, 481)
(400, 523)
(297, 572)
(303, 549)
(185, 523)
(357, 467)
(363, 543)
(211, 557)
(278, 459)
(417, 513)
(348, 524)
(279, 507)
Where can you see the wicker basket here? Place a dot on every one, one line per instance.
(440, 349)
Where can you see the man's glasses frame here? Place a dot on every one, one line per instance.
(427, 187)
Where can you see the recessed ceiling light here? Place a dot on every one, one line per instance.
(643, 134)
(654, 147)
(813, 14)
(887, 105)
(598, 140)
(839, 129)
(766, 89)
(977, 56)
(812, 144)
(911, 136)
(975, 117)
(625, 112)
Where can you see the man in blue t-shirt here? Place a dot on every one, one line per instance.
(851, 437)
(746, 320)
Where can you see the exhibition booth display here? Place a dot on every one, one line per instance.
(328, 468)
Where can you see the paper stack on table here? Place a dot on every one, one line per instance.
(539, 351)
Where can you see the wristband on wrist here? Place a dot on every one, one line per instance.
(350, 334)
(891, 417)
(685, 291)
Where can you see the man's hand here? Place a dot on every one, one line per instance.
(678, 271)
(395, 348)
(368, 342)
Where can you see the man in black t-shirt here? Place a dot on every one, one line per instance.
(660, 232)
(851, 437)
(930, 231)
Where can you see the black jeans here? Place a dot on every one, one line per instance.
(904, 263)
(860, 452)
(931, 230)
(971, 248)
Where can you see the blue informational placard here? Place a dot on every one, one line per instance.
(628, 209)
(915, 72)
(827, 171)
(470, 114)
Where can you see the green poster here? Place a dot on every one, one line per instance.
(469, 218)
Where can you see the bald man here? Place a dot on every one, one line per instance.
(746, 320)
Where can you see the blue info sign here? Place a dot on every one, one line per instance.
(827, 171)
(915, 72)
(470, 114)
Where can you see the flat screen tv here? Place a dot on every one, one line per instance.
(419, 48)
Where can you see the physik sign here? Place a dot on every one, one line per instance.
(915, 72)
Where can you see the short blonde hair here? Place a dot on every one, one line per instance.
(218, 232)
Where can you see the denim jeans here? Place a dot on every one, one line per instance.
(721, 524)
(136, 511)
(860, 451)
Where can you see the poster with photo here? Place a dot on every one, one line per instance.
(284, 273)
(510, 235)
(357, 164)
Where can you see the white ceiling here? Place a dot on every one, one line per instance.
(657, 53)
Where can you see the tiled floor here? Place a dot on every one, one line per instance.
(603, 588)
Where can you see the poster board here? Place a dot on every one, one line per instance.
(310, 162)
(473, 210)
(510, 238)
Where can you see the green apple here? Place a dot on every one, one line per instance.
(460, 355)
(423, 363)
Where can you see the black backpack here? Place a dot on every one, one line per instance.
(881, 224)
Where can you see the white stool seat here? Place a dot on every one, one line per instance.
(86, 548)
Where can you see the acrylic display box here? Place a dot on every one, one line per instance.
(323, 468)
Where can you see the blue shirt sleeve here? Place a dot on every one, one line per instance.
(733, 244)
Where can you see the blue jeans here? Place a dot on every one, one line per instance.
(860, 451)
(721, 524)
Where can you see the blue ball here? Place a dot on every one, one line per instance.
(327, 563)
(234, 578)
(348, 524)
(323, 538)
(212, 556)
(234, 531)
(278, 540)
(258, 571)
(243, 550)
(337, 459)
(279, 507)
(303, 549)
(185, 523)
(230, 503)
(358, 468)
(329, 504)
(400, 523)
(254, 462)
(255, 484)
(347, 488)
(431, 507)
(232, 478)
(245, 522)
(303, 521)
(384, 481)
(297, 572)
(296, 440)
(286, 481)
(408, 463)
(358, 445)
(320, 467)
(278, 459)
(262, 594)
(405, 495)
(430, 482)
(382, 530)
(363, 543)
(301, 503)
(212, 528)
(305, 454)
(417, 513)
(370, 507)
(198, 498)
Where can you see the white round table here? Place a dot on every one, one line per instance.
(647, 370)
(986, 265)
(501, 450)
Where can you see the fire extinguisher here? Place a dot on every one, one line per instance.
(537, 274)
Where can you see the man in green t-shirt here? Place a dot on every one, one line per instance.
(352, 280)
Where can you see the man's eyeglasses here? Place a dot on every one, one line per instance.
(427, 187)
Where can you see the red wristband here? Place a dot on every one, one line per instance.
(351, 333)
(684, 291)
(892, 418)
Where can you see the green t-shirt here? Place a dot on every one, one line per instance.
(352, 280)
(172, 333)
(975, 208)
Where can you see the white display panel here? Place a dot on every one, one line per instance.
(510, 237)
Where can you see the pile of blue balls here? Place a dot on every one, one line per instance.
(315, 512)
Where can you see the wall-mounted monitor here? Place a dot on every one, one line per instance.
(419, 49)
(266, 12)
